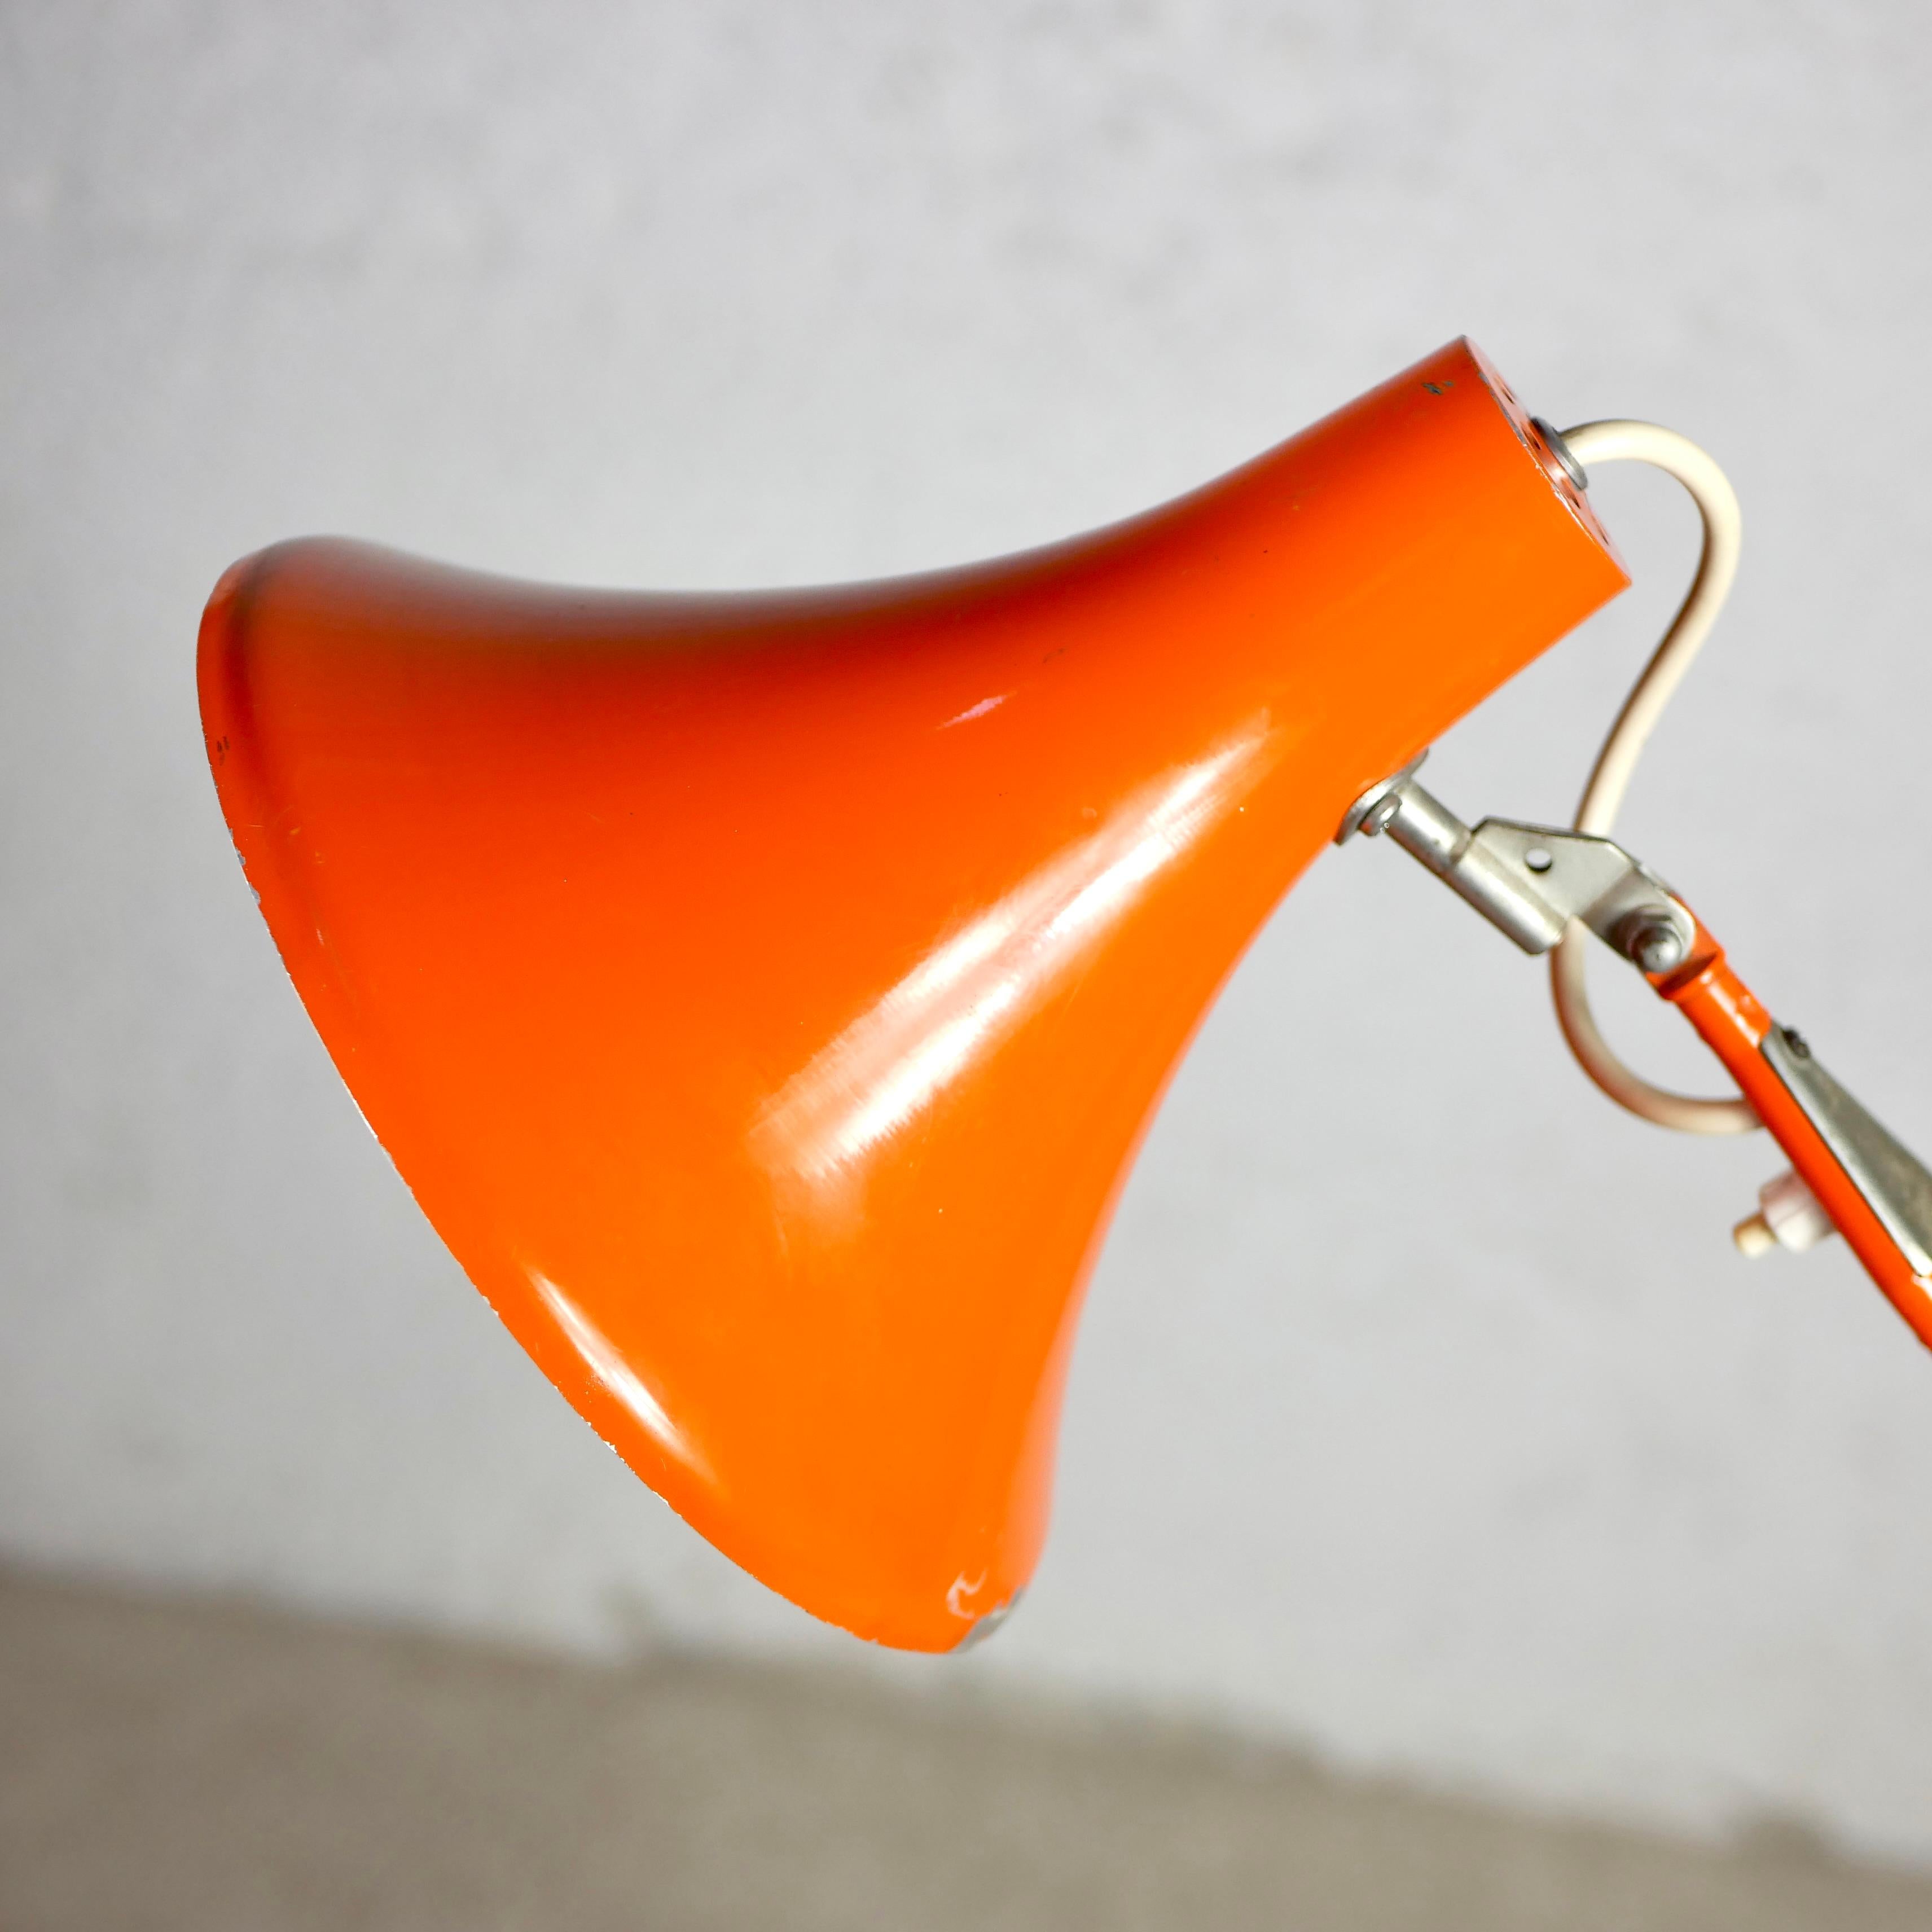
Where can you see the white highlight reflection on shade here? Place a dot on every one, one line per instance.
(980, 984)
(601, 1357)
(980, 710)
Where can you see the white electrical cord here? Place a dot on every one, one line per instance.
(1614, 442)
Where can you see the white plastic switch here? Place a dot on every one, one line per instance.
(1789, 1216)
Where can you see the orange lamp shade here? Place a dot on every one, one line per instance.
(763, 996)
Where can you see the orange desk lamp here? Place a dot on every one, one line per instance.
(763, 996)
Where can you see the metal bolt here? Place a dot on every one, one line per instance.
(1373, 812)
(1653, 940)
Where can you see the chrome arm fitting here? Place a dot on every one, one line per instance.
(1530, 881)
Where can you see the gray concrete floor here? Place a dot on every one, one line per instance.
(166, 1764)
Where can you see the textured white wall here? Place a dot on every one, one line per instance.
(1422, 1412)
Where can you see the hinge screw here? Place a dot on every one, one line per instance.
(1653, 940)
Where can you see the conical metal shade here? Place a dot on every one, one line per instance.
(764, 996)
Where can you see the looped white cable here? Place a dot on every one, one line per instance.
(1613, 441)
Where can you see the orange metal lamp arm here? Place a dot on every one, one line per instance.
(1848, 1172)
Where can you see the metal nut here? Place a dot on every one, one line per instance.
(1566, 457)
(1653, 939)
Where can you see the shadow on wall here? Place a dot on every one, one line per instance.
(214, 1768)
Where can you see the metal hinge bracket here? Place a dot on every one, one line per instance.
(1530, 881)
